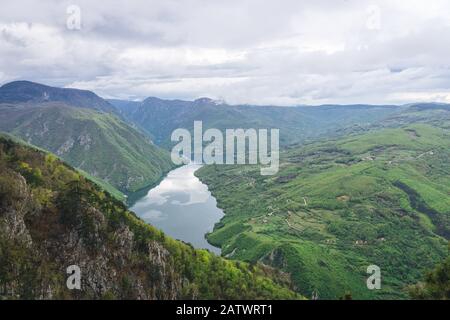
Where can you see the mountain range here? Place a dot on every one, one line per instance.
(34, 93)
(84, 130)
(160, 117)
(358, 185)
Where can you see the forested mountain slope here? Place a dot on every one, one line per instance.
(99, 143)
(51, 217)
(380, 197)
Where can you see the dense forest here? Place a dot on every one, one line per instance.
(435, 286)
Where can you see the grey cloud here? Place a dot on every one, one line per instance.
(247, 51)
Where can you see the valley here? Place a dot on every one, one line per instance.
(228, 156)
(340, 205)
(357, 186)
(84, 130)
(159, 118)
(52, 217)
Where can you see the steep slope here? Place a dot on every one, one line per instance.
(51, 217)
(99, 143)
(35, 93)
(124, 107)
(378, 198)
(297, 124)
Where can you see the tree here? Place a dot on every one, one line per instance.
(436, 285)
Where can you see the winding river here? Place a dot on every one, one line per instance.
(182, 207)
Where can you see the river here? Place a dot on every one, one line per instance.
(182, 207)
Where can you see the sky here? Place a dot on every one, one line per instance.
(283, 52)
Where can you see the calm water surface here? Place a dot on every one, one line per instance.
(182, 207)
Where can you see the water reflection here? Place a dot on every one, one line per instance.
(182, 207)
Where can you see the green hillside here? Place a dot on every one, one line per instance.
(51, 217)
(98, 143)
(159, 118)
(336, 207)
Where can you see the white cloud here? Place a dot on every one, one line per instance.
(246, 51)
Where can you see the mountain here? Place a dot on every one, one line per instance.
(375, 197)
(76, 126)
(124, 107)
(297, 124)
(35, 93)
(51, 217)
(99, 143)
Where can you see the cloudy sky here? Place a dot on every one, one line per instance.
(243, 51)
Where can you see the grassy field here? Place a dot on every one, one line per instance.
(336, 207)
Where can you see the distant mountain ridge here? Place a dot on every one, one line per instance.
(297, 124)
(34, 93)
